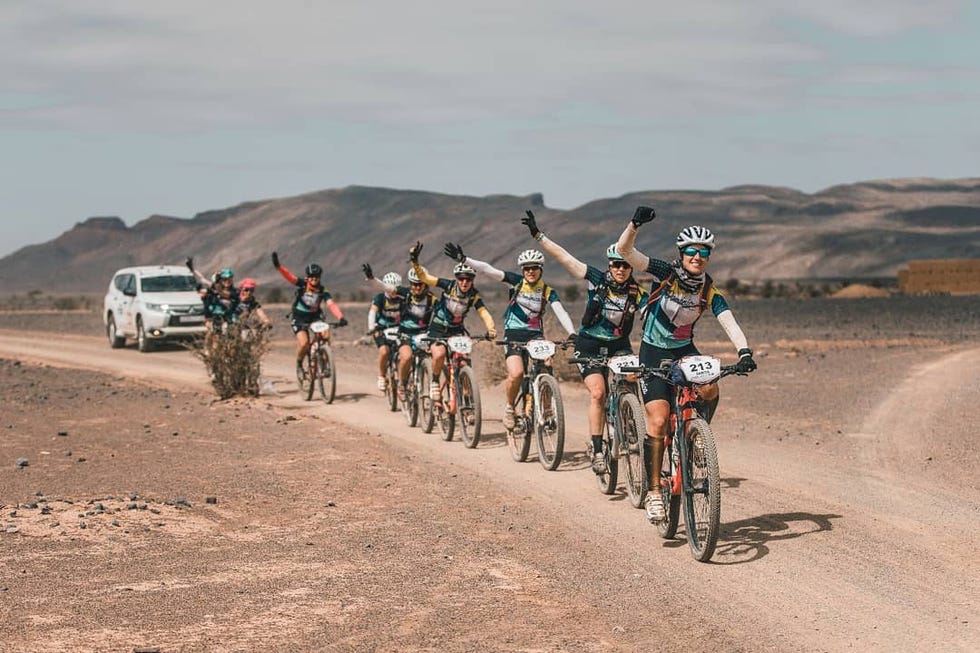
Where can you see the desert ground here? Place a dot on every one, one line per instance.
(138, 512)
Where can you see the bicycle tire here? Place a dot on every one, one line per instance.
(632, 431)
(549, 422)
(607, 482)
(668, 527)
(326, 374)
(425, 402)
(468, 408)
(447, 420)
(702, 490)
(303, 374)
(391, 389)
(519, 437)
(410, 407)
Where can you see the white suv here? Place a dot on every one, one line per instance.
(152, 304)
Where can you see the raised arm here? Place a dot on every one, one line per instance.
(283, 270)
(455, 252)
(575, 267)
(624, 245)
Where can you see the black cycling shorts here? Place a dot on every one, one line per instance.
(518, 336)
(588, 347)
(652, 388)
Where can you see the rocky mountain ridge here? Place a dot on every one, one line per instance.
(861, 230)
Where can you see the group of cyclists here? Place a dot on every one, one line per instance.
(224, 303)
(681, 292)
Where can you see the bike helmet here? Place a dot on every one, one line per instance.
(247, 284)
(413, 277)
(392, 279)
(226, 273)
(314, 270)
(461, 269)
(612, 254)
(695, 235)
(530, 257)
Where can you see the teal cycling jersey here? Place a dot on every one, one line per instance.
(389, 309)
(615, 308)
(670, 319)
(528, 302)
(451, 308)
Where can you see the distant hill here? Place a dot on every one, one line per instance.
(858, 230)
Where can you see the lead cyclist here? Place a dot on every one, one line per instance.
(682, 291)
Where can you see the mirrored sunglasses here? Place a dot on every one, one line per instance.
(619, 264)
(691, 251)
(532, 268)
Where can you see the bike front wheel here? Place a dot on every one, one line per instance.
(447, 420)
(410, 406)
(326, 373)
(468, 408)
(702, 490)
(391, 387)
(549, 423)
(632, 431)
(519, 437)
(425, 402)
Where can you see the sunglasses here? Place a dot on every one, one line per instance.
(532, 268)
(463, 278)
(691, 251)
(245, 290)
(619, 264)
(416, 284)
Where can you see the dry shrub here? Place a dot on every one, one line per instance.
(233, 359)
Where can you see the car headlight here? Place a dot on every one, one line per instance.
(160, 308)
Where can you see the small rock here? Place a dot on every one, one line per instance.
(331, 504)
(63, 433)
(82, 525)
(155, 511)
(131, 505)
(142, 506)
(81, 459)
(22, 463)
(211, 500)
(181, 501)
(114, 522)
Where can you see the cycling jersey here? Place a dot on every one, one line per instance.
(451, 308)
(308, 304)
(670, 319)
(527, 303)
(617, 307)
(389, 309)
(221, 305)
(416, 311)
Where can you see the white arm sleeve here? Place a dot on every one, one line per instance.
(563, 318)
(624, 246)
(485, 268)
(575, 267)
(728, 323)
(384, 286)
(372, 318)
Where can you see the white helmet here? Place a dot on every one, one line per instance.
(413, 277)
(462, 268)
(612, 254)
(392, 279)
(695, 235)
(530, 257)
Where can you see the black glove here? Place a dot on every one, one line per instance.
(275, 259)
(643, 215)
(366, 269)
(189, 263)
(413, 253)
(454, 252)
(745, 363)
(531, 224)
(342, 322)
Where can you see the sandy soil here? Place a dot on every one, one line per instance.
(136, 512)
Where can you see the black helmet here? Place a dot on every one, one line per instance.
(314, 270)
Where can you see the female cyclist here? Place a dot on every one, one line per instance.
(682, 291)
(308, 305)
(385, 311)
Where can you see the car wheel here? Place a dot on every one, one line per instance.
(115, 340)
(143, 343)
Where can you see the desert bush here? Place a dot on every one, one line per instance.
(233, 359)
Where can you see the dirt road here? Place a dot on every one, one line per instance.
(851, 517)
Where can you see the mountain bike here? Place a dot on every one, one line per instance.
(690, 472)
(318, 369)
(625, 427)
(538, 408)
(459, 393)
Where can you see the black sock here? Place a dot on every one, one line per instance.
(648, 462)
(596, 444)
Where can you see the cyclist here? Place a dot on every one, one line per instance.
(459, 295)
(308, 305)
(682, 291)
(220, 297)
(417, 305)
(523, 318)
(385, 311)
(249, 305)
(613, 299)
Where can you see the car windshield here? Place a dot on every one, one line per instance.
(168, 283)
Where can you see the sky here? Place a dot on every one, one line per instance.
(132, 108)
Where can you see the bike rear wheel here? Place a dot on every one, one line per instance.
(607, 481)
(549, 421)
(469, 409)
(310, 372)
(425, 402)
(702, 490)
(447, 420)
(632, 431)
(410, 407)
(391, 387)
(672, 501)
(326, 374)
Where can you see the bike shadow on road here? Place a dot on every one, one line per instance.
(748, 540)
